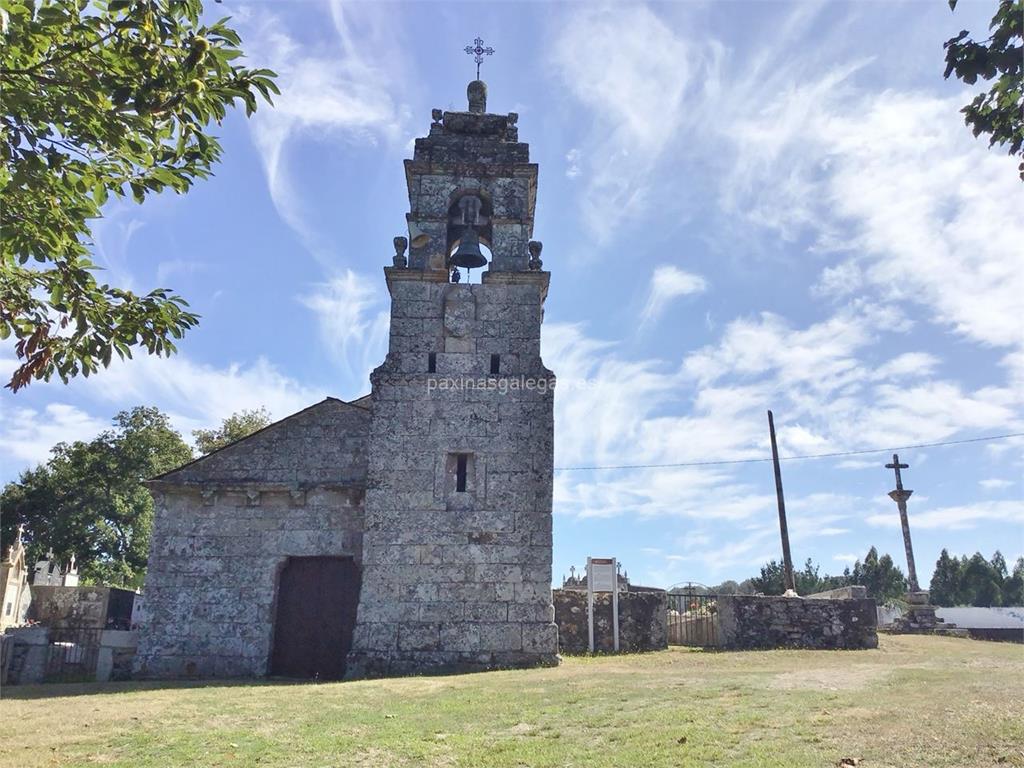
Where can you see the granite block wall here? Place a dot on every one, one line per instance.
(642, 621)
(752, 622)
(459, 579)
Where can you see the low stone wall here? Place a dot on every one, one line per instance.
(30, 647)
(642, 621)
(749, 622)
(855, 592)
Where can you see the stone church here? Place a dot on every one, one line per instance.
(409, 530)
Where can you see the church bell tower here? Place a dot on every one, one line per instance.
(457, 544)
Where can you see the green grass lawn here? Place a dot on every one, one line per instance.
(916, 701)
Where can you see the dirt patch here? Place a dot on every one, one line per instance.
(852, 678)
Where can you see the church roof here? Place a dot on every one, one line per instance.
(322, 444)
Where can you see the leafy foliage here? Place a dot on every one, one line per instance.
(977, 581)
(88, 500)
(108, 98)
(999, 111)
(234, 427)
(771, 580)
(884, 580)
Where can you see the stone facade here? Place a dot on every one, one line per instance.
(750, 622)
(438, 485)
(225, 526)
(642, 621)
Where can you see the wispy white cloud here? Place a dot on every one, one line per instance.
(353, 319)
(631, 70)
(572, 163)
(669, 282)
(28, 434)
(996, 484)
(914, 207)
(960, 517)
(711, 406)
(194, 395)
(345, 88)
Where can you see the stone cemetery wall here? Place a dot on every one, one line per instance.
(855, 592)
(86, 607)
(751, 622)
(642, 621)
(29, 648)
(225, 527)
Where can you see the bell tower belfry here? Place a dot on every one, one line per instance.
(457, 543)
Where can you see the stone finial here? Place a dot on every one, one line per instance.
(436, 115)
(400, 245)
(511, 132)
(535, 247)
(477, 93)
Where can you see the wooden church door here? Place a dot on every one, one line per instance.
(317, 599)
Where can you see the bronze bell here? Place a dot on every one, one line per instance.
(468, 254)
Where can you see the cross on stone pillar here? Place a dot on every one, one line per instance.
(900, 496)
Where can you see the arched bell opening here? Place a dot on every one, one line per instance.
(469, 233)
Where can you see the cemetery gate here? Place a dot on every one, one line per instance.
(692, 616)
(72, 654)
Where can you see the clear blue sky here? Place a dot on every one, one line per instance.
(743, 206)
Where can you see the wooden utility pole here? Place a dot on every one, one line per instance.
(787, 558)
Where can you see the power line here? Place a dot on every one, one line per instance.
(793, 458)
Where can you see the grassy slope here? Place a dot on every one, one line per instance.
(916, 701)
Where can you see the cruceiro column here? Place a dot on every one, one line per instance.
(900, 496)
(919, 616)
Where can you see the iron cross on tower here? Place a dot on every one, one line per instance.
(478, 51)
(900, 496)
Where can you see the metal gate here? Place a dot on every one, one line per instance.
(72, 655)
(692, 617)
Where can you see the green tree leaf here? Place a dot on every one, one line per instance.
(99, 99)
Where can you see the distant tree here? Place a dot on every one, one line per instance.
(746, 587)
(771, 580)
(980, 584)
(88, 500)
(884, 580)
(727, 587)
(234, 427)
(115, 97)
(945, 588)
(998, 563)
(999, 111)
(1013, 587)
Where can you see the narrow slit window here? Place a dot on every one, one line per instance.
(495, 364)
(432, 362)
(461, 464)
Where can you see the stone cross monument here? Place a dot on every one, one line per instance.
(919, 616)
(457, 547)
(900, 496)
